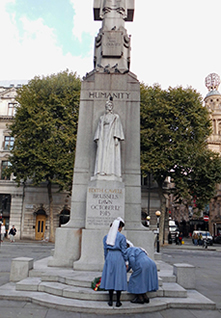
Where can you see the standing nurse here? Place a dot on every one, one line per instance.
(114, 275)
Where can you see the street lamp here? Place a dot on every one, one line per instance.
(148, 220)
(158, 213)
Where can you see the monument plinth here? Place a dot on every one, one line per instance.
(106, 182)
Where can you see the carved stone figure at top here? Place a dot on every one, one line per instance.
(121, 8)
(112, 44)
(108, 135)
(116, 7)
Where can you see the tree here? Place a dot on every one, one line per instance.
(45, 131)
(204, 176)
(174, 130)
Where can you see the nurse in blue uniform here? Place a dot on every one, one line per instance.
(144, 277)
(114, 275)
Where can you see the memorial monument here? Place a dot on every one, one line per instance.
(106, 181)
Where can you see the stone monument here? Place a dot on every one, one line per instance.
(106, 182)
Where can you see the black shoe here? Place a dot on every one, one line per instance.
(137, 300)
(118, 304)
(110, 303)
(146, 300)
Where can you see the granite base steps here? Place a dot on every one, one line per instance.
(70, 290)
(194, 300)
(85, 293)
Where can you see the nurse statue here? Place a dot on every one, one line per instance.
(108, 135)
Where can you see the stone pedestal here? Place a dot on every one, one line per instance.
(20, 268)
(105, 202)
(67, 247)
(92, 253)
(88, 215)
(142, 238)
(185, 275)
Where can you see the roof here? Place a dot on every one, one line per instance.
(213, 92)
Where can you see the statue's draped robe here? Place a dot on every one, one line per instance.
(108, 157)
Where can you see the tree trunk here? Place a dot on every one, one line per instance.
(51, 218)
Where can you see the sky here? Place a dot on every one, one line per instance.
(174, 42)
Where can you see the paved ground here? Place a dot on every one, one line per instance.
(8, 251)
(208, 269)
(39, 250)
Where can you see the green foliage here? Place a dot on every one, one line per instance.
(174, 130)
(45, 129)
(204, 177)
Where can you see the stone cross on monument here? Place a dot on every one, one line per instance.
(112, 44)
(106, 181)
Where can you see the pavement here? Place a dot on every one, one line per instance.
(39, 250)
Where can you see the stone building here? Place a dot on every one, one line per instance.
(213, 103)
(26, 207)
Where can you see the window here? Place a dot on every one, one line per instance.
(12, 108)
(8, 143)
(4, 166)
(64, 216)
(145, 181)
(219, 129)
(5, 203)
(218, 209)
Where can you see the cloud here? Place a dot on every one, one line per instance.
(3, 3)
(8, 29)
(34, 51)
(83, 18)
(173, 42)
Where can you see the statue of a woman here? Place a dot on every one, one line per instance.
(108, 135)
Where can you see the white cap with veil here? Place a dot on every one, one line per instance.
(112, 234)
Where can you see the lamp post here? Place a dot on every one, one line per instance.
(158, 213)
(0, 234)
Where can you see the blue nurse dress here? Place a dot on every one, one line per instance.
(144, 277)
(114, 275)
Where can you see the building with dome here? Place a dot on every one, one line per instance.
(213, 103)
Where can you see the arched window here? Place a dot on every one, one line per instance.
(64, 216)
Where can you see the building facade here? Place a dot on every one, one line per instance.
(26, 207)
(213, 103)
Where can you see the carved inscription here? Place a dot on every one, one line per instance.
(107, 95)
(112, 44)
(104, 205)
